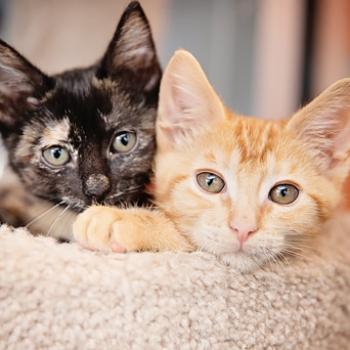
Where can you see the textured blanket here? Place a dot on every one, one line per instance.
(59, 296)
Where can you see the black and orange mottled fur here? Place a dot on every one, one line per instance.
(83, 109)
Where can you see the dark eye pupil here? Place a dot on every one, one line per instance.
(210, 180)
(124, 139)
(56, 153)
(284, 191)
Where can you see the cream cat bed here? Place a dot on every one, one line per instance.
(60, 296)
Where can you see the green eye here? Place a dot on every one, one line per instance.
(210, 182)
(284, 194)
(124, 142)
(56, 155)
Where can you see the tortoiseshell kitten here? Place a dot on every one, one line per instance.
(86, 135)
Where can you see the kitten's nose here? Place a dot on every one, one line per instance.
(96, 185)
(243, 229)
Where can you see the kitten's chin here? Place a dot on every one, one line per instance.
(241, 262)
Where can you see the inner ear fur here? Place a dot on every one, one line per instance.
(187, 100)
(21, 85)
(131, 55)
(324, 127)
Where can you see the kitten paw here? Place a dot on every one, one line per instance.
(126, 230)
(99, 227)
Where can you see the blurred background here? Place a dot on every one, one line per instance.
(264, 57)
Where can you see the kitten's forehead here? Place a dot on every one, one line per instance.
(255, 139)
(80, 95)
(251, 150)
(92, 103)
(56, 131)
(242, 141)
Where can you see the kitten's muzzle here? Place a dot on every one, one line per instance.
(97, 185)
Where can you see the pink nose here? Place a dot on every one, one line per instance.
(243, 230)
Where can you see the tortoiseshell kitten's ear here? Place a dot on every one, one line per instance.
(21, 85)
(131, 54)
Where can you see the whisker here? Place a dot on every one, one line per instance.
(282, 257)
(43, 214)
(294, 253)
(66, 225)
(299, 247)
(270, 256)
(126, 192)
(57, 218)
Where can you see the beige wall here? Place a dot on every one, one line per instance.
(332, 45)
(62, 34)
(278, 57)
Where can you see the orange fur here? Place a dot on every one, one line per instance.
(195, 132)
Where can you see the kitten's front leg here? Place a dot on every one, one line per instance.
(120, 230)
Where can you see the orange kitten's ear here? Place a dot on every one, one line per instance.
(324, 126)
(187, 100)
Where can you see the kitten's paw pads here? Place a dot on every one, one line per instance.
(94, 229)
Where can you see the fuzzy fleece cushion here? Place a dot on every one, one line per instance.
(59, 296)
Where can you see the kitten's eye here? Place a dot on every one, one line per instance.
(210, 182)
(56, 155)
(284, 194)
(124, 141)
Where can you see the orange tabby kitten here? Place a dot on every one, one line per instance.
(244, 189)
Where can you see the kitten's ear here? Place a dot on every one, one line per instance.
(187, 100)
(21, 85)
(324, 127)
(131, 54)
